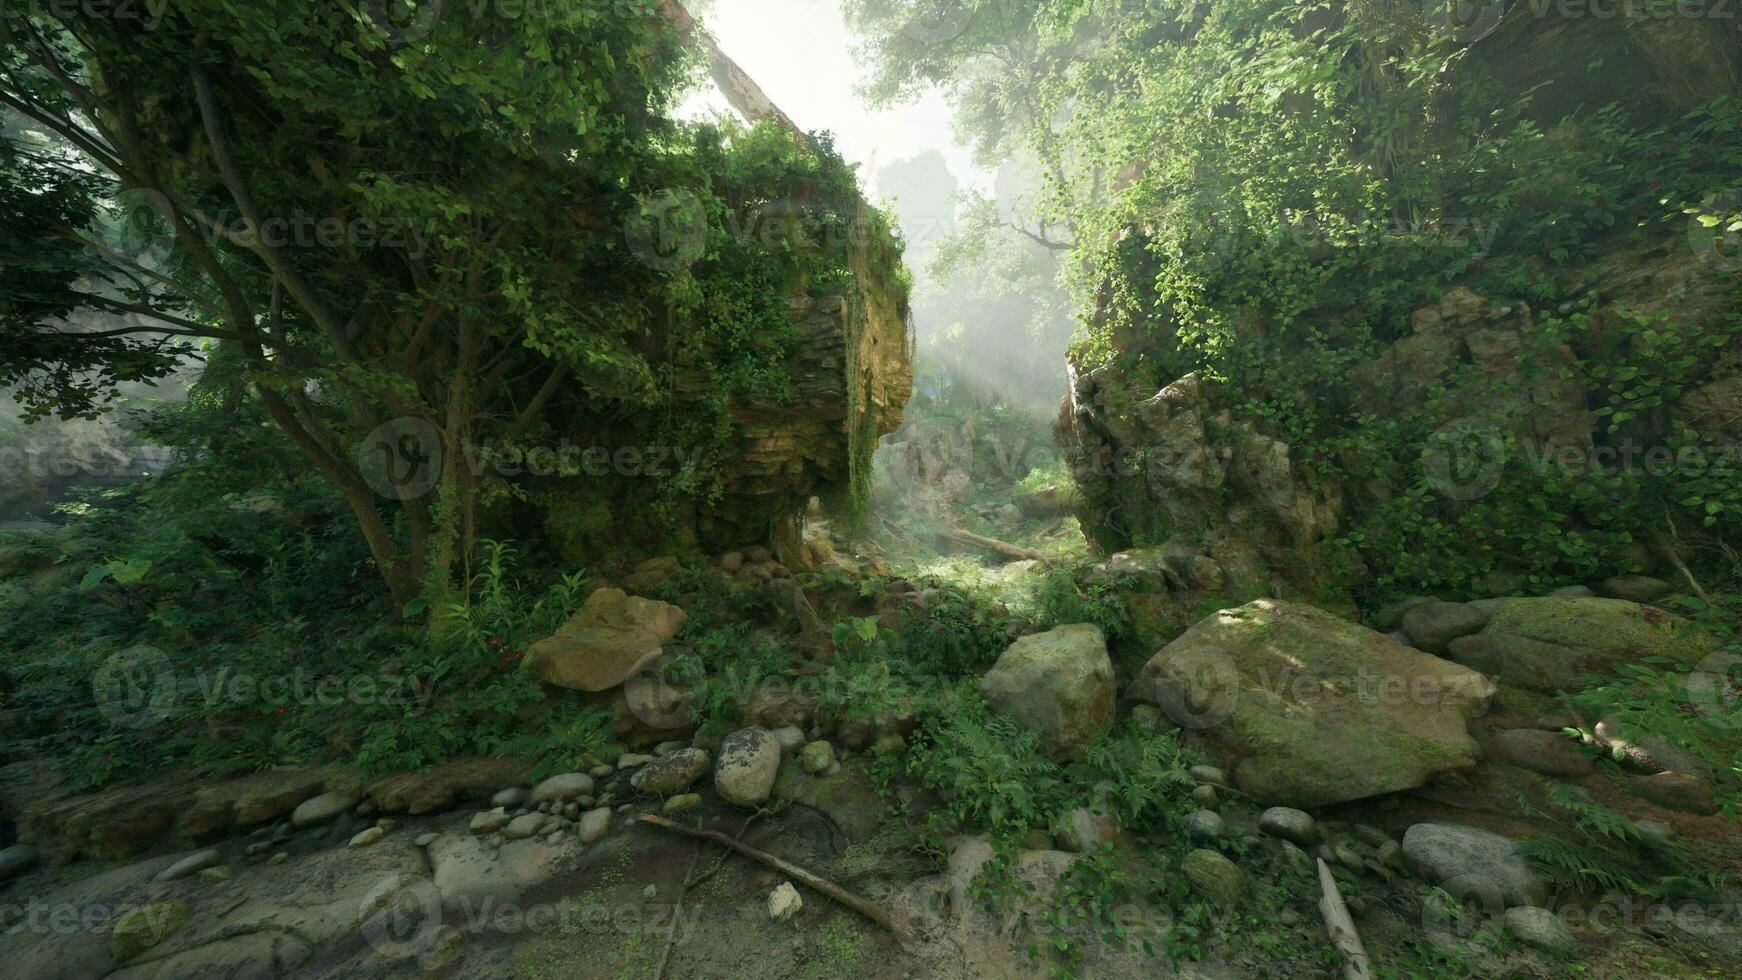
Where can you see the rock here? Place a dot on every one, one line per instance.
(784, 902)
(1390, 616)
(513, 796)
(1432, 625)
(279, 858)
(1572, 591)
(1479, 653)
(16, 860)
(632, 760)
(425, 840)
(595, 824)
(1549, 753)
(1390, 854)
(364, 838)
(817, 757)
(668, 747)
(759, 554)
(1551, 643)
(1149, 718)
(891, 744)
(1209, 774)
(145, 927)
(608, 640)
(321, 809)
(433, 790)
(670, 774)
(197, 861)
(790, 737)
(731, 561)
(1450, 855)
(652, 573)
(468, 871)
(561, 788)
(1400, 637)
(489, 821)
(1309, 710)
(1634, 588)
(749, 762)
(1647, 752)
(274, 799)
(1289, 824)
(1214, 877)
(1083, 830)
(601, 771)
(1205, 796)
(524, 826)
(1541, 929)
(848, 798)
(1206, 824)
(1682, 791)
(1059, 684)
(680, 803)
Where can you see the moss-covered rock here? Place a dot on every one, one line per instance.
(1058, 683)
(1308, 709)
(145, 927)
(1219, 880)
(1551, 643)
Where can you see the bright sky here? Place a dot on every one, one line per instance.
(801, 53)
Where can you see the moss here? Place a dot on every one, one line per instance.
(145, 927)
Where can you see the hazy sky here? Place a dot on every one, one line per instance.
(801, 54)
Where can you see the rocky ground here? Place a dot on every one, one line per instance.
(1407, 757)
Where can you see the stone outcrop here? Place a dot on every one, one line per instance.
(608, 640)
(1058, 683)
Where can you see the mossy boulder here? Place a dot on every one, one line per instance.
(1308, 710)
(1058, 683)
(1552, 643)
(612, 636)
(1214, 877)
(145, 927)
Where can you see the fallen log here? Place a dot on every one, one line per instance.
(873, 912)
(1341, 927)
(1016, 552)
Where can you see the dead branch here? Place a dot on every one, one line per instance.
(868, 910)
(1342, 928)
(991, 544)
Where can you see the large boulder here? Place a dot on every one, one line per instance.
(1551, 643)
(1471, 861)
(1058, 683)
(1309, 710)
(612, 636)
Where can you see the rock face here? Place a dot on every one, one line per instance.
(749, 763)
(1468, 860)
(1552, 643)
(610, 638)
(1058, 683)
(1307, 709)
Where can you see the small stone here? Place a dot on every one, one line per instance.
(1347, 857)
(595, 824)
(490, 821)
(889, 745)
(630, 760)
(425, 840)
(219, 873)
(1289, 824)
(1214, 877)
(601, 771)
(367, 837)
(321, 809)
(1390, 854)
(816, 757)
(279, 858)
(1205, 796)
(555, 838)
(650, 892)
(680, 803)
(790, 737)
(524, 826)
(1549, 753)
(1682, 791)
(1084, 831)
(1150, 718)
(1541, 929)
(511, 797)
(260, 847)
(749, 762)
(197, 861)
(784, 902)
(145, 927)
(669, 775)
(1433, 625)
(666, 748)
(571, 810)
(560, 789)
(1206, 824)
(1635, 588)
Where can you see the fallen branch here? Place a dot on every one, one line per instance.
(1667, 546)
(1342, 928)
(991, 544)
(834, 891)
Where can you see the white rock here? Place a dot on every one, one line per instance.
(594, 824)
(784, 902)
(367, 837)
(561, 788)
(749, 761)
(321, 809)
(197, 861)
